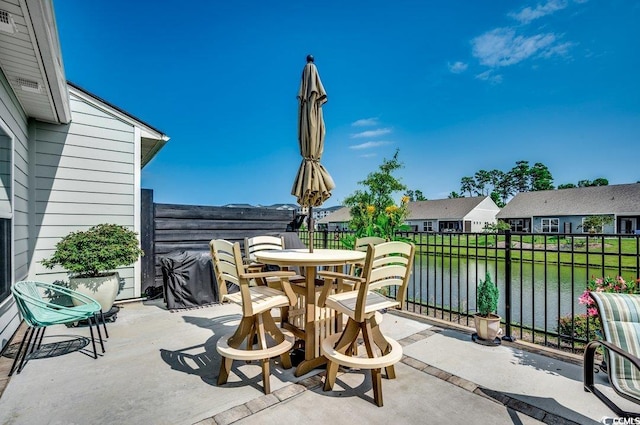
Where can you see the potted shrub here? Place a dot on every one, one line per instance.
(486, 321)
(91, 258)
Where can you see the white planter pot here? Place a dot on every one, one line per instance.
(487, 327)
(103, 289)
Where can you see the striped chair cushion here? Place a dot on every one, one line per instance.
(620, 318)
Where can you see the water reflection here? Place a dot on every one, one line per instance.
(451, 282)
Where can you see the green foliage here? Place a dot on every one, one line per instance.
(502, 185)
(101, 248)
(566, 186)
(499, 226)
(467, 185)
(495, 196)
(577, 328)
(373, 211)
(488, 294)
(541, 178)
(454, 195)
(597, 182)
(595, 223)
(415, 195)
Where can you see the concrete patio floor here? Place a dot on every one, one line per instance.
(161, 368)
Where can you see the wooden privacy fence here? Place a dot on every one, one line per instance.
(166, 228)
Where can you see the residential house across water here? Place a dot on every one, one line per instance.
(440, 215)
(564, 210)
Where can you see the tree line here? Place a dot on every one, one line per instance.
(499, 185)
(502, 185)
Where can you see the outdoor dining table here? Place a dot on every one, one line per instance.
(310, 261)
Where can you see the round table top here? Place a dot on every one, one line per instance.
(302, 257)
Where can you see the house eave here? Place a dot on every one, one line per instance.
(151, 139)
(50, 57)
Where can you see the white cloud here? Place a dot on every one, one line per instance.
(558, 50)
(368, 145)
(490, 76)
(365, 122)
(371, 133)
(457, 67)
(529, 14)
(502, 47)
(368, 155)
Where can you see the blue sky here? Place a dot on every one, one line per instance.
(456, 86)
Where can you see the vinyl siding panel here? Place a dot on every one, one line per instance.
(15, 121)
(84, 176)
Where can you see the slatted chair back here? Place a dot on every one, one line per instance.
(387, 268)
(227, 266)
(620, 322)
(362, 244)
(261, 243)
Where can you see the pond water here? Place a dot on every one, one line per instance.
(539, 294)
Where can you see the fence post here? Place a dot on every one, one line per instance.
(325, 238)
(147, 242)
(507, 286)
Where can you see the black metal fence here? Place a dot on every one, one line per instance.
(540, 277)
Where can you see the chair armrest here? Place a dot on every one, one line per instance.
(338, 275)
(633, 359)
(589, 359)
(284, 280)
(330, 276)
(280, 273)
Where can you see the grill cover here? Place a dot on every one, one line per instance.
(188, 279)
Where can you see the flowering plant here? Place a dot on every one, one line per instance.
(375, 221)
(606, 284)
(577, 325)
(384, 224)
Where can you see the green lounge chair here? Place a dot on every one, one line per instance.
(38, 313)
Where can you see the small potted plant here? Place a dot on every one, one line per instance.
(91, 258)
(486, 321)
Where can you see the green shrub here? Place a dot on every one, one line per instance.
(488, 295)
(101, 248)
(578, 328)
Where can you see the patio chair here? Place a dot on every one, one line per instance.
(39, 313)
(620, 326)
(257, 322)
(263, 243)
(387, 265)
(361, 244)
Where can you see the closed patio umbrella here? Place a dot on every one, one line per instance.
(313, 184)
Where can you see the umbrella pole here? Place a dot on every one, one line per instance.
(310, 224)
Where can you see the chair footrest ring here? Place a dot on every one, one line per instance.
(394, 356)
(222, 347)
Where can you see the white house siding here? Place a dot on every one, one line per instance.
(85, 175)
(13, 125)
(484, 213)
